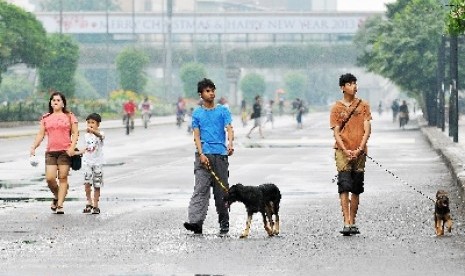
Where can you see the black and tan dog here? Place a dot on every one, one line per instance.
(442, 213)
(264, 198)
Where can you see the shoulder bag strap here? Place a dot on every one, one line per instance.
(350, 115)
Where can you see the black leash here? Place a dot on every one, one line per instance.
(397, 177)
(393, 174)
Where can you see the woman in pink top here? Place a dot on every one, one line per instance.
(61, 128)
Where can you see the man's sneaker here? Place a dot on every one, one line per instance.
(224, 228)
(346, 231)
(354, 230)
(194, 227)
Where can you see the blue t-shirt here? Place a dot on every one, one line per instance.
(212, 124)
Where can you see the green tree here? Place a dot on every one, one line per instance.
(455, 19)
(78, 5)
(22, 38)
(403, 47)
(130, 64)
(190, 74)
(59, 69)
(295, 84)
(252, 85)
(15, 88)
(84, 89)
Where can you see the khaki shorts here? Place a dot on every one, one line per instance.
(57, 158)
(343, 164)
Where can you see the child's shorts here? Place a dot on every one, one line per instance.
(93, 175)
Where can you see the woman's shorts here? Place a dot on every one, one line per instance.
(57, 158)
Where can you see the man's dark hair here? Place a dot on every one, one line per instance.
(347, 78)
(205, 83)
(94, 116)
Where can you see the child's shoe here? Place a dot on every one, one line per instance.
(95, 211)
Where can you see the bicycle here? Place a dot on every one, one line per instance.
(179, 119)
(126, 123)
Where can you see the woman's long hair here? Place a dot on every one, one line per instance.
(63, 98)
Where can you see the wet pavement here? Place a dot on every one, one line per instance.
(149, 183)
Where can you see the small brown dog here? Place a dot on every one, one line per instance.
(442, 213)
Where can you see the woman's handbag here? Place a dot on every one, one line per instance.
(76, 161)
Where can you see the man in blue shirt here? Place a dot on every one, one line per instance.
(210, 123)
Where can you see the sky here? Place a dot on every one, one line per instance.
(362, 5)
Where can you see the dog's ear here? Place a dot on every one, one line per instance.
(239, 185)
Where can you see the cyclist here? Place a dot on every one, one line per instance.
(129, 109)
(180, 111)
(146, 107)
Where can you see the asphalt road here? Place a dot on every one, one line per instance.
(149, 180)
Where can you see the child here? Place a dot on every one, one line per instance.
(92, 162)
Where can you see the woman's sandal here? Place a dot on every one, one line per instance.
(88, 209)
(60, 210)
(54, 204)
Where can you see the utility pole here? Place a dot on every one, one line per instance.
(61, 16)
(440, 83)
(169, 58)
(453, 104)
(107, 46)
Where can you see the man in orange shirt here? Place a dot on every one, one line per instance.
(350, 121)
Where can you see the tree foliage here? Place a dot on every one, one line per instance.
(130, 64)
(403, 47)
(252, 85)
(78, 5)
(191, 73)
(59, 70)
(296, 85)
(455, 19)
(15, 88)
(22, 38)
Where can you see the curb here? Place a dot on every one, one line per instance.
(450, 152)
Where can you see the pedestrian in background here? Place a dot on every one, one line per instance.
(300, 109)
(61, 128)
(210, 123)
(256, 116)
(350, 121)
(244, 112)
(395, 109)
(93, 161)
(269, 113)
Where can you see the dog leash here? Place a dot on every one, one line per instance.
(392, 174)
(397, 177)
(210, 170)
